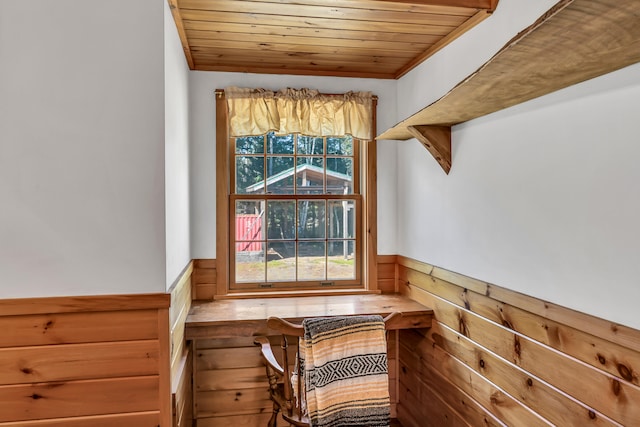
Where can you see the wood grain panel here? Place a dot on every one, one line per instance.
(78, 361)
(195, 35)
(587, 384)
(77, 398)
(233, 402)
(59, 328)
(215, 28)
(556, 367)
(346, 15)
(432, 384)
(447, 7)
(228, 358)
(204, 279)
(220, 379)
(182, 391)
(49, 305)
(387, 280)
(551, 403)
(140, 419)
(502, 405)
(88, 361)
(292, 21)
(252, 420)
(596, 351)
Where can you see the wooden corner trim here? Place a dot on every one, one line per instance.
(175, 12)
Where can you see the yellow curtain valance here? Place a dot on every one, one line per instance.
(305, 111)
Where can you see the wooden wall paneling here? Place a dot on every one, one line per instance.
(205, 279)
(138, 419)
(387, 270)
(610, 331)
(585, 383)
(68, 362)
(543, 355)
(252, 420)
(181, 296)
(611, 357)
(548, 401)
(82, 361)
(182, 391)
(432, 384)
(180, 353)
(71, 328)
(230, 383)
(497, 402)
(78, 398)
(164, 369)
(227, 402)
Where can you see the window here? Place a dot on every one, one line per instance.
(294, 211)
(295, 220)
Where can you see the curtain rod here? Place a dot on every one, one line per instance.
(219, 92)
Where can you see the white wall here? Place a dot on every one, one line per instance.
(542, 198)
(81, 147)
(203, 151)
(176, 113)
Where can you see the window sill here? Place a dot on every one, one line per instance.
(295, 293)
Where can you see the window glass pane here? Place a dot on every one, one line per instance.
(311, 261)
(310, 175)
(250, 265)
(339, 175)
(341, 146)
(341, 262)
(311, 219)
(250, 145)
(280, 175)
(249, 175)
(310, 145)
(281, 262)
(249, 220)
(279, 144)
(342, 214)
(281, 219)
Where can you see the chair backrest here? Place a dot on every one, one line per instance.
(292, 409)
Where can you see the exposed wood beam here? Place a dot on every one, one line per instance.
(489, 5)
(436, 139)
(175, 11)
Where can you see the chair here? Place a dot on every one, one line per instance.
(281, 389)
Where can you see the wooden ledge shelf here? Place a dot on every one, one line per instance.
(248, 317)
(574, 41)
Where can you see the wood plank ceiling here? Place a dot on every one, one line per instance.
(347, 38)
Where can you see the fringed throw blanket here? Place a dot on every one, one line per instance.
(345, 371)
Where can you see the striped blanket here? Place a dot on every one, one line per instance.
(345, 371)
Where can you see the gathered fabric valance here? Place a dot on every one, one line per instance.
(304, 111)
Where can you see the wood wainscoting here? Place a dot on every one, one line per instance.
(181, 370)
(97, 361)
(84, 361)
(205, 279)
(496, 357)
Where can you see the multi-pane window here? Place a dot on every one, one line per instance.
(295, 209)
